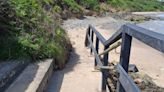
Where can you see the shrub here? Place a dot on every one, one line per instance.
(29, 30)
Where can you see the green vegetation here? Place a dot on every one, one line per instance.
(137, 5)
(73, 6)
(28, 29)
(122, 5)
(90, 4)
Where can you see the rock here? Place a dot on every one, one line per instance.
(65, 15)
(138, 18)
(145, 83)
(113, 10)
(138, 81)
(57, 16)
(133, 68)
(89, 13)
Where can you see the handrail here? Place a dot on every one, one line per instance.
(111, 40)
(115, 37)
(138, 33)
(95, 54)
(148, 37)
(126, 33)
(129, 84)
(101, 38)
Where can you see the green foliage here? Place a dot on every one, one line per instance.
(73, 6)
(128, 5)
(57, 9)
(29, 31)
(116, 3)
(48, 1)
(137, 5)
(90, 4)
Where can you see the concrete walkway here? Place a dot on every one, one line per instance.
(79, 74)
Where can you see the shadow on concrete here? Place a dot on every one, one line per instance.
(9, 71)
(24, 80)
(56, 80)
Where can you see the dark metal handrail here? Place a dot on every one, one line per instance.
(126, 33)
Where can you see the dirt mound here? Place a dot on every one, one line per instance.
(143, 81)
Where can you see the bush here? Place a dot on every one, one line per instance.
(29, 31)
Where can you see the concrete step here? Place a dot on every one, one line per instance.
(9, 71)
(34, 78)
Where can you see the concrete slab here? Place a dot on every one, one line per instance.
(32, 77)
(9, 70)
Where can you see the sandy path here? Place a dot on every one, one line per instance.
(79, 75)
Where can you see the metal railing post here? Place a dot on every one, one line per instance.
(104, 71)
(97, 48)
(125, 83)
(86, 37)
(125, 56)
(92, 35)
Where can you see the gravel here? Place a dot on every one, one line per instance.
(102, 22)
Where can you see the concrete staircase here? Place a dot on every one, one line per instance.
(9, 71)
(34, 78)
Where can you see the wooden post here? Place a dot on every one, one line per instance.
(97, 48)
(104, 71)
(86, 37)
(124, 57)
(92, 35)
